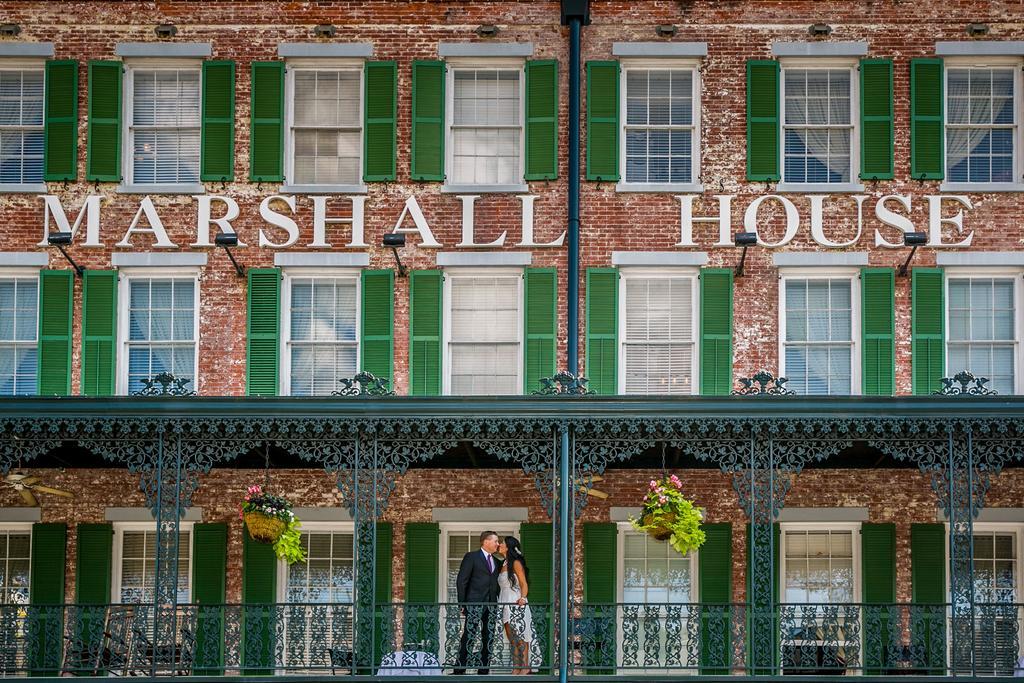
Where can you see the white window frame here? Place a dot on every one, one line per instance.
(473, 528)
(289, 275)
(124, 303)
(118, 554)
(27, 64)
(20, 528)
(1014, 63)
(314, 528)
(662, 64)
(17, 273)
(852, 274)
(127, 130)
(455, 273)
(822, 63)
(1015, 274)
(641, 273)
(453, 64)
(322, 64)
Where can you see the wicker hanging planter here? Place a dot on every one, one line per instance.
(264, 528)
(668, 515)
(660, 529)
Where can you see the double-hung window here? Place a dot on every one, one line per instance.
(19, 325)
(658, 351)
(163, 131)
(982, 328)
(321, 341)
(159, 329)
(982, 123)
(662, 105)
(325, 131)
(135, 566)
(819, 332)
(15, 563)
(484, 350)
(996, 587)
(486, 124)
(21, 125)
(818, 124)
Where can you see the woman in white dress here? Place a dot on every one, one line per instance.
(515, 610)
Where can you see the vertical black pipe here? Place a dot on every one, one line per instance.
(573, 295)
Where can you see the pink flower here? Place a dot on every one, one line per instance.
(663, 500)
(653, 484)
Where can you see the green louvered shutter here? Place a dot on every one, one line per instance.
(217, 158)
(422, 552)
(425, 333)
(876, 120)
(103, 147)
(927, 346)
(537, 546)
(715, 580)
(600, 561)
(763, 120)
(266, 134)
(928, 595)
(878, 581)
(99, 332)
(428, 129)
(716, 331)
(377, 344)
(56, 297)
(926, 119)
(264, 310)
(46, 599)
(259, 593)
(541, 119)
(757, 668)
(878, 289)
(93, 559)
(603, 121)
(381, 112)
(209, 574)
(60, 121)
(541, 294)
(602, 330)
(385, 611)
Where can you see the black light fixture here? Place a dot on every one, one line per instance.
(975, 29)
(165, 30)
(229, 239)
(665, 30)
(324, 30)
(396, 240)
(487, 30)
(61, 240)
(9, 30)
(819, 30)
(745, 240)
(915, 240)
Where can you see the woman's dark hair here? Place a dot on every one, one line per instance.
(515, 552)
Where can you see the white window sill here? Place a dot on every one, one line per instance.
(322, 189)
(981, 187)
(815, 188)
(686, 188)
(12, 188)
(163, 188)
(485, 189)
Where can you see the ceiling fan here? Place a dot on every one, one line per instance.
(26, 484)
(586, 480)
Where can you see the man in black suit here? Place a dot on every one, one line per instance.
(477, 585)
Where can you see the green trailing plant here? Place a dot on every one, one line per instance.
(289, 546)
(669, 516)
(287, 542)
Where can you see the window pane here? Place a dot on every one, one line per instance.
(654, 573)
(323, 334)
(21, 126)
(657, 101)
(18, 329)
(817, 125)
(980, 139)
(165, 126)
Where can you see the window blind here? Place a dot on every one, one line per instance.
(326, 127)
(21, 126)
(486, 127)
(322, 334)
(484, 342)
(659, 335)
(165, 126)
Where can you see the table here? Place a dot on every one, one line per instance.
(409, 663)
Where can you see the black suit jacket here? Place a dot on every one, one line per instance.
(475, 582)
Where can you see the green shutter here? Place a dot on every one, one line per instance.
(99, 332)
(46, 597)
(56, 297)
(428, 128)
(878, 579)
(600, 563)
(603, 121)
(385, 611)
(928, 595)
(538, 549)
(715, 580)
(762, 120)
(266, 135)
(381, 112)
(103, 147)
(422, 551)
(757, 611)
(541, 119)
(716, 331)
(259, 593)
(876, 120)
(209, 572)
(926, 119)
(217, 158)
(60, 121)
(927, 348)
(602, 330)
(377, 344)
(93, 560)
(541, 294)
(264, 311)
(878, 289)
(425, 332)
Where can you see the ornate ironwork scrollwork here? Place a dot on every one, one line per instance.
(165, 384)
(363, 384)
(563, 384)
(763, 383)
(964, 383)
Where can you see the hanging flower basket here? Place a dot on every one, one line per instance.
(264, 528)
(669, 516)
(270, 519)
